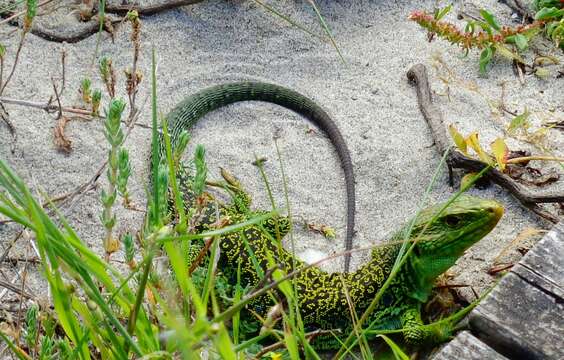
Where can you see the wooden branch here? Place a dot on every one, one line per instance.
(14, 16)
(73, 36)
(417, 75)
(47, 107)
(149, 9)
(91, 27)
(16, 290)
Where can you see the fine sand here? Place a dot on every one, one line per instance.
(368, 96)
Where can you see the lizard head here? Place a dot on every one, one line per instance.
(439, 244)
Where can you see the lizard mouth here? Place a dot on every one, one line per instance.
(495, 212)
(491, 213)
(498, 212)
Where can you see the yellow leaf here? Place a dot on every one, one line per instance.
(474, 143)
(546, 60)
(500, 151)
(542, 73)
(466, 179)
(458, 139)
(507, 53)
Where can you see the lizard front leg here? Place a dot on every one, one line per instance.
(417, 333)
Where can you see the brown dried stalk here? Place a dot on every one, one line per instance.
(469, 40)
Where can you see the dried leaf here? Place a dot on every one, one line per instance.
(62, 142)
(150, 296)
(546, 60)
(324, 230)
(500, 151)
(538, 136)
(458, 139)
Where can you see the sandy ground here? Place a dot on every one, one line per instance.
(368, 96)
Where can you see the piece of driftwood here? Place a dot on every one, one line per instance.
(543, 266)
(417, 75)
(468, 347)
(523, 317)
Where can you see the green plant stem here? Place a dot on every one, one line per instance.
(534, 157)
(140, 294)
(287, 19)
(101, 16)
(182, 221)
(111, 189)
(22, 355)
(155, 138)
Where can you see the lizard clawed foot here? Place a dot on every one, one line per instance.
(241, 199)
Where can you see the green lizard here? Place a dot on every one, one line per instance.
(321, 296)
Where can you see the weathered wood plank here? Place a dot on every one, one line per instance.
(542, 265)
(466, 346)
(523, 317)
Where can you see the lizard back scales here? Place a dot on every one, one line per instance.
(187, 113)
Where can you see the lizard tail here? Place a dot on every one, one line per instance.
(192, 108)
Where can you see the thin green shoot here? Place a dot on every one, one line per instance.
(398, 352)
(326, 29)
(287, 19)
(155, 149)
(296, 310)
(101, 16)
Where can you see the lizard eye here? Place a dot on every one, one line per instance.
(453, 220)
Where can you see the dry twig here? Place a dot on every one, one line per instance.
(92, 26)
(15, 289)
(149, 9)
(6, 118)
(418, 76)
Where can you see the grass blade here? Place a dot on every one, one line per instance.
(326, 29)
